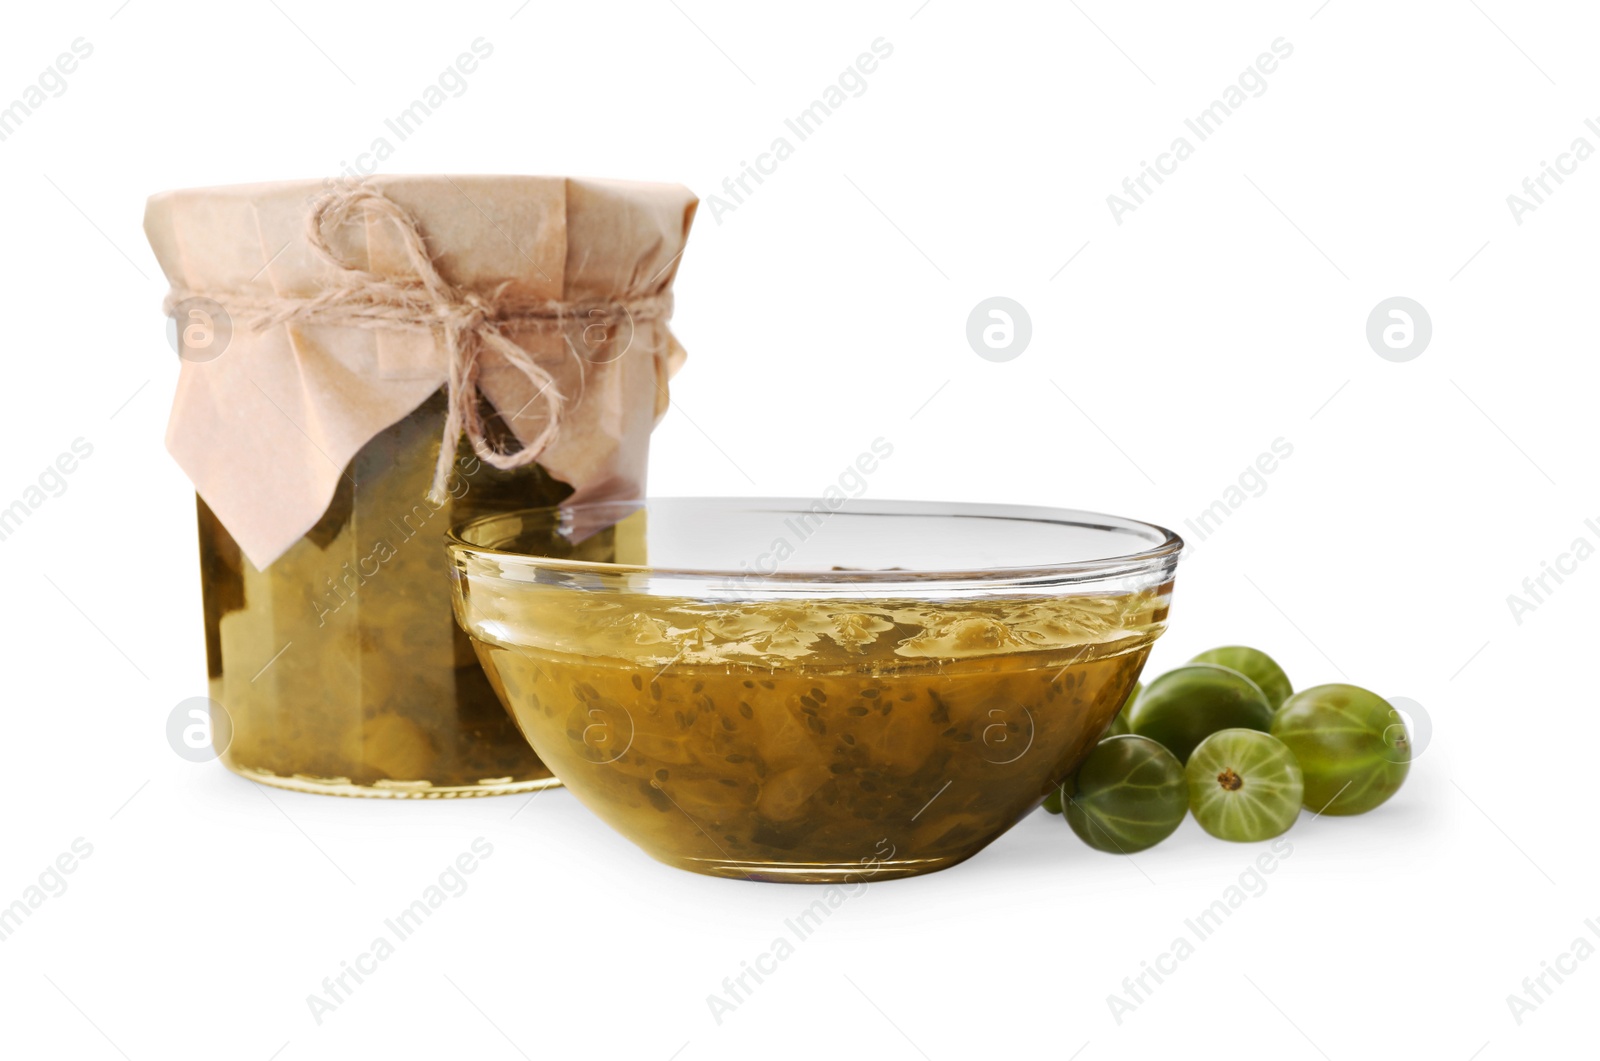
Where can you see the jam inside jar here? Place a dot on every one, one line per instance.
(341, 668)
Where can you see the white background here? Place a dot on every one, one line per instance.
(829, 309)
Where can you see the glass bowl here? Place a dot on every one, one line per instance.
(811, 690)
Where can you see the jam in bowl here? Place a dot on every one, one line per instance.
(777, 690)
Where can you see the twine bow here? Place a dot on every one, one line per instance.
(467, 323)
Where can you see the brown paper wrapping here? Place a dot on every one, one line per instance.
(265, 429)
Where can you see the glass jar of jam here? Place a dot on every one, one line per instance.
(340, 666)
(365, 365)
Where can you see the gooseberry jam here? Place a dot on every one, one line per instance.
(903, 685)
(795, 740)
(340, 667)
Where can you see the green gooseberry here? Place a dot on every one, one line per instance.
(1351, 744)
(1255, 665)
(1185, 706)
(1129, 795)
(1244, 785)
(1118, 726)
(1119, 722)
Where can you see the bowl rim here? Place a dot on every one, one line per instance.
(1166, 547)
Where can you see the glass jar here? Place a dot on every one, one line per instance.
(341, 668)
(332, 334)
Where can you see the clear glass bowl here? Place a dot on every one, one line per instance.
(784, 690)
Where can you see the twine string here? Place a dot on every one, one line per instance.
(468, 324)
